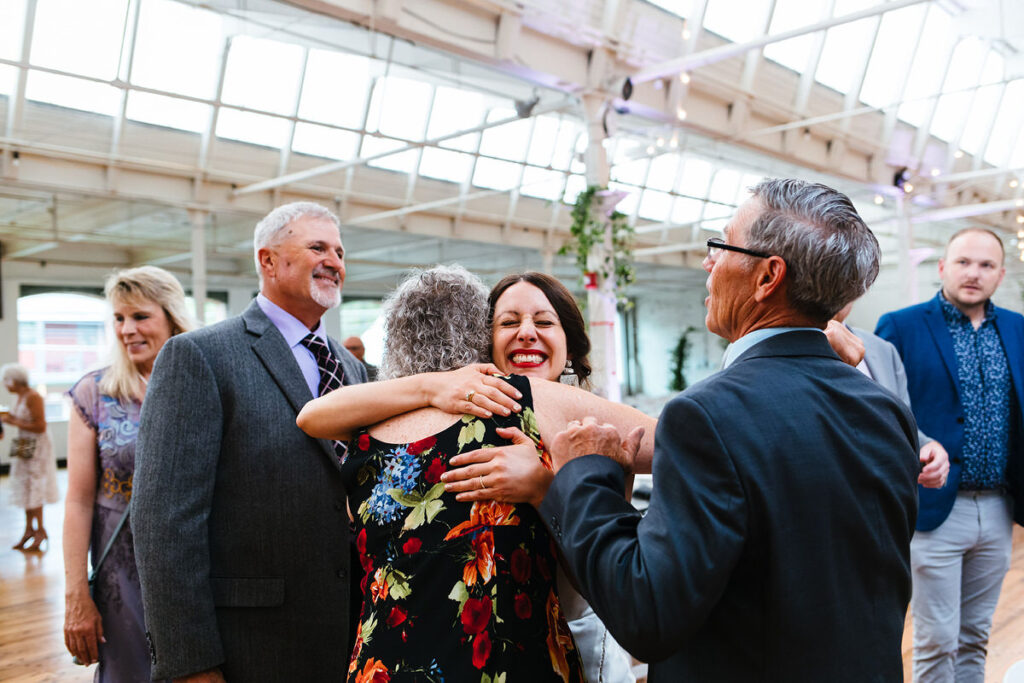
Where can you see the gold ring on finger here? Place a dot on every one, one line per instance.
(470, 394)
(482, 484)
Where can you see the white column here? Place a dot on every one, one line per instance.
(198, 219)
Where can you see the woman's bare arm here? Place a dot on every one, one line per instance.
(345, 410)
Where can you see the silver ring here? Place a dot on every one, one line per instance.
(470, 394)
(482, 484)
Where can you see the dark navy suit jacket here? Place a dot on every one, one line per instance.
(921, 336)
(777, 542)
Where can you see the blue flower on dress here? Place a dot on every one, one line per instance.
(400, 471)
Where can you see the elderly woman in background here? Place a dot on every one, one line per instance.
(33, 468)
(432, 560)
(149, 308)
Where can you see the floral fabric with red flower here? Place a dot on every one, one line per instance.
(453, 591)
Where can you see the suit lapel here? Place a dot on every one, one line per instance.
(1013, 350)
(939, 331)
(272, 350)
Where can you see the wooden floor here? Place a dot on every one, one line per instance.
(32, 607)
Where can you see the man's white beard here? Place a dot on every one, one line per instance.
(328, 298)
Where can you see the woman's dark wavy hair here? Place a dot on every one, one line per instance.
(577, 341)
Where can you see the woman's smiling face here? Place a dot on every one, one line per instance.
(527, 337)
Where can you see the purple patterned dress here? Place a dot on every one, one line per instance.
(125, 655)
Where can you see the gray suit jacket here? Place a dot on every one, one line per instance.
(241, 533)
(887, 369)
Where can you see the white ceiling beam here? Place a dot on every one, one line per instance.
(341, 165)
(29, 251)
(717, 54)
(971, 175)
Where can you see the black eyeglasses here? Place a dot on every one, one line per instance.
(717, 245)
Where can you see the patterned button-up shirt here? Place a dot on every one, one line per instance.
(985, 395)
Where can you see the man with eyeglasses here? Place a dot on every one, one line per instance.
(777, 543)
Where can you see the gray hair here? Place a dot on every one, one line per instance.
(831, 255)
(435, 320)
(15, 372)
(268, 230)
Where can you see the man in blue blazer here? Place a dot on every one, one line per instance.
(241, 533)
(965, 373)
(776, 547)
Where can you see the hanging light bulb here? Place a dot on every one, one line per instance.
(908, 188)
(879, 199)
(935, 172)
(959, 154)
(684, 77)
(1020, 219)
(1014, 183)
(680, 112)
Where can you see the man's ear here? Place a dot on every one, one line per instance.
(771, 273)
(267, 259)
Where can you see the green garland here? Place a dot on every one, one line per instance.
(588, 231)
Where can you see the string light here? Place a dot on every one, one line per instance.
(879, 199)
(684, 77)
(935, 172)
(680, 112)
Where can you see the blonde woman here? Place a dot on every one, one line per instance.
(148, 309)
(33, 468)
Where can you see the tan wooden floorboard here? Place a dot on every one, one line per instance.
(32, 607)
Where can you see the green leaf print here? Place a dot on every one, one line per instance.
(424, 508)
(398, 585)
(528, 423)
(366, 629)
(459, 594)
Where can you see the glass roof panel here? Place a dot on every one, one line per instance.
(721, 17)
(7, 77)
(1005, 131)
(695, 177)
(74, 93)
(322, 141)
(573, 186)
(655, 206)
(543, 140)
(983, 107)
(403, 162)
(894, 49)
(160, 62)
(79, 37)
(788, 15)
(444, 164)
(846, 46)
(262, 74)
(399, 107)
(568, 132)
(724, 187)
(928, 67)
(1017, 158)
(509, 141)
(576, 164)
(169, 112)
(542, 183)
(662, 175)
(964, 69)
(628, 205)
(456, 110)
(632, 172)
(687, 210)
(336, 88)
(12, 27)
(680, 7)
(257, 129)
(496, 175)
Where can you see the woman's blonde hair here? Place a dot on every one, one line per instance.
(139, 286)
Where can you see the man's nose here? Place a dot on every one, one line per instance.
(708, 263)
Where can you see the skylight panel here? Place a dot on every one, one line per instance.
(576, 164)
(632, 172)
(564, 148)
(790, 14)
(8, 74)
(73, 93)
(12, 28)
(983, 105)
(508, 141)
(178, 48)
(686, 210)
(456, 110)
(79, 37)
(663, 171)
(543, 140)
(846, 47)
(1007, 126)
(542, 183)
(496, 175)
(257, 129)
(695, 177)
(399, 108)
(444, 164)
(725, 186)
(721, 18)
(964, 69)
(336, 88)
(678, 7)
(573, 186)
(322, 141)
(893, 52)
(403, 162)
(169, 112)
(262, 74)
(630, 202)
(654, 205)
(928, 68)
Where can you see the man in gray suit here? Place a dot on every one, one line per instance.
(241, 533)
(881, 362)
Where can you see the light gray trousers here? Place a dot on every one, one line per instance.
(958, 573)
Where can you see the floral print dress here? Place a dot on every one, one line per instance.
(458, 592)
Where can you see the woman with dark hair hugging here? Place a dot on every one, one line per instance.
(454, 590)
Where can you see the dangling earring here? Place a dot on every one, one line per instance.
(568, 371)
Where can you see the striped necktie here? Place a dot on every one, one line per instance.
(331, 376)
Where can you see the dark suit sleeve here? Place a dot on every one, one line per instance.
(887, 330)
(175, 470)
(653, 580)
